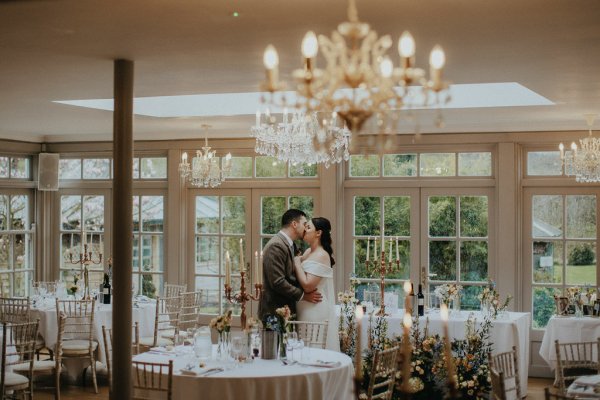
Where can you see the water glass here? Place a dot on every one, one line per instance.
(238, 349)
(292, 339)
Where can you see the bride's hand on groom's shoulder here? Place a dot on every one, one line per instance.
(305, 255)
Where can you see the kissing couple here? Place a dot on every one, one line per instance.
(302, 282)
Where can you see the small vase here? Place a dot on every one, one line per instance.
(268, 349)
(223, 345)
(282, 346)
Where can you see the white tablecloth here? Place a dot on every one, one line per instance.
(143, 314)
(263, 379)
(508, 331)
(585, 387)
(567, 330)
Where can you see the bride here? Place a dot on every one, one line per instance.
(314, 272)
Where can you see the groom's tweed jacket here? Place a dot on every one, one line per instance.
(280, 286)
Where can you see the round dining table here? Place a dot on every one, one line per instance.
(318, 375)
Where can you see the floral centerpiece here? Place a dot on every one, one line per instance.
(347, 322)
(448, 292)
(222, 324)
(72, 288)
(279, 322)
(490, 300)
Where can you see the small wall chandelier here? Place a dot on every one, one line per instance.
(359, 79)
(301, 139)
(204, 171)
(583, 162)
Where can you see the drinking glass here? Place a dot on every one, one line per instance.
(238, 351)
(292, 339)
(301, 350)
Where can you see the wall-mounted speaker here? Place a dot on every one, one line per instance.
(48, 171)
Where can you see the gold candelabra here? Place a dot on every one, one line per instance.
(242, 297)
(384, 269)
(85, 259)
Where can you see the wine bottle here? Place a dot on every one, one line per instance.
(420, 301)
(412, 298)
(106, 290)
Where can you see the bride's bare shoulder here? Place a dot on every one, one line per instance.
(320, 256)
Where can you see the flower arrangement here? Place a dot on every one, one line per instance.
(251, 323)
(222, 323)
(490, 300)
(448, 292)
(347, 322)
(72, 288)
(278, 322)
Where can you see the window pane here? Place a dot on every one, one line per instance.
(400, 165)
(241, 167)
(153, 167)
(136, 213)
(231, 244)
(543, 306)
(547, 261)
(272, 208)
(207, 255)
(152, 253)
(19, 168)
(475, 164)
(270, 167)
(442, 260)
(70, 212)
(19, 216)
(303, 203)
(581, 217)
(4, 167)
(396, 215)
(93, 213)
(5, 252)
(69, 168)
(207, 214)
(234, 214)
(4, 212)
(303, 170)
(442, 216)
(21, 285)
(581, 263)
(544, 163)
(367, 216)
(20, 259)
(438, 164)
(96, 168)
(474, 261)
(136, 253)
(547, 216)
(70, 245)
(136, 168)
(152, 213)
(360, 256)
(210, 287)
(468, 297)
(364, 166)
(474, 216)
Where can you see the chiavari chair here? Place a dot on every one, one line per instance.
(314, 334)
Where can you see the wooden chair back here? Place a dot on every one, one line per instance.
(166, 319)
(79, 322)
(498, 388)
(190, 308)
(152, 380)
(507, 363)
(383, 374)
(314, 334)
(576, 359)
(548, 395)
(18, 347)
(15, 309)
(172, 290)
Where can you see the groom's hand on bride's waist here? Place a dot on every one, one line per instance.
(312, 297)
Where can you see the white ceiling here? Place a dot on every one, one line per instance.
(64, 49)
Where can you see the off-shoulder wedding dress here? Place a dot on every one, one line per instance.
(325, 310)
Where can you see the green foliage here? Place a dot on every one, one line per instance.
(543, 306)
(582, 254)
(442, 216)
(364, 166)
(148, 287)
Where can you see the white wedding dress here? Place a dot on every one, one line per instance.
(325, 310)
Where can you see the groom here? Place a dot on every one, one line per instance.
(280, 286)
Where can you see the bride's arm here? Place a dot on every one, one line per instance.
(309, 282)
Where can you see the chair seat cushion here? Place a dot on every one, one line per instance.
(77, 346)
(12, 379)
(149, 341)
(38, 365)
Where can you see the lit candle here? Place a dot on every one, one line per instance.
(368, 246)
(258, 119)
(260, 271)
(375, 250)
(227, 269)
(407, 306)
(437, 59)
(357, 354)
(448, 348)
(184, 157)
(242, 265)
(390, 257)
(397, 249)
(255, 273)
(406, 352)
(561, 147)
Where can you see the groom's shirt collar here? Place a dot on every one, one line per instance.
(289, 240)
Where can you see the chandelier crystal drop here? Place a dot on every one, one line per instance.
(301, 139)
(584, 161)
(204, 170)
(359, 80)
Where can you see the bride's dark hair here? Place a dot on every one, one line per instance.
(323, 225)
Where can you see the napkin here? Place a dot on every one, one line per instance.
(588, 380)
(321, 363)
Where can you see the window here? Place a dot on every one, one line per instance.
(458, 243)
(273, 207)
(148, 244)
(16, 263)
(144, 168)
(15, 168)
(220, 223)
(271, 167)
(544, 163)
(74, 234)
(563, 248)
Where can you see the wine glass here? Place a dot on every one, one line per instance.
(292, 339)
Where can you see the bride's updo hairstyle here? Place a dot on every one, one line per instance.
(323, 225)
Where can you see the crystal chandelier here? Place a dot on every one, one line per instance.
(204, 170)
(583, 162)
(359, 79)
(301, 139)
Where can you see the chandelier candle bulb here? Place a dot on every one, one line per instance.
(437, 59)
(406, 49)
(271, 61)
(242, 264)
(386, 67)
(227, 269)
